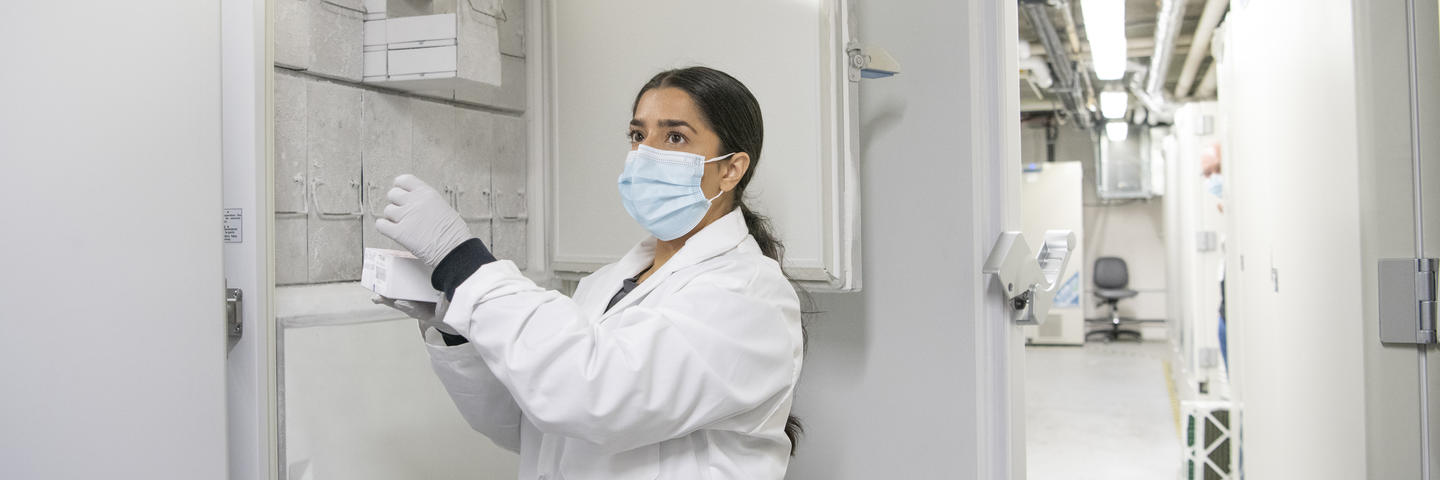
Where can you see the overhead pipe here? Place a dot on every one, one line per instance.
(1167, 27)
(1207, 83)
(1200, 45)
(1135, 47)
(1071, 31)
(1066, 77)
(1217, 52)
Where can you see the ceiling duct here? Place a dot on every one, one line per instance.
(1200, 45)
(1167, 27)
(1067, 78)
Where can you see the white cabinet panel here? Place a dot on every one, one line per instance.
(333, 153)
(433, 137)
(292, 33)
(804, 177)
(510, 95)
(512, 29)
(469, 181)
(510, 166)
(336, 38)
(360, 400)
(510, 241)
(290, 146)
(386, 154)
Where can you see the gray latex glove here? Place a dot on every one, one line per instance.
(428, 313)
(420, 219)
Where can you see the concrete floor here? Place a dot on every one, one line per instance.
(1101, 411)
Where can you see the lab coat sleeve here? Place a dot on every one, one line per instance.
(717, 347)
(483, 401)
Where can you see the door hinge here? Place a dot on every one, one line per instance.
(234, 320)
(1407, 300)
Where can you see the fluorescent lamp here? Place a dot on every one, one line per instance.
(1114, 103)
(1117, 131)
(1105, 28)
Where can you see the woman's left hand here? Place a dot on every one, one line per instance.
(429, 314)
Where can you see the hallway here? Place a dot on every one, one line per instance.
(1100, 412)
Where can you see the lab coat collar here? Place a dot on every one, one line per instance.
(720, 236)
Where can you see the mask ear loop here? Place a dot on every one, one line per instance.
(719, 158)
(716, 159)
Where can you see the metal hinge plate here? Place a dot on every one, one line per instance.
(1407, 300)
(233, 315)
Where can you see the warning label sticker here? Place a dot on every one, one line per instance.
(234, 221)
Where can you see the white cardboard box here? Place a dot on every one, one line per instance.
(405, 32)
(398, 275)
(435, 55)
(375, 31)
(421, 60)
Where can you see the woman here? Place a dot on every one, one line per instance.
(679, 360)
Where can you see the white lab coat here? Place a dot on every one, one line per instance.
(690, 376)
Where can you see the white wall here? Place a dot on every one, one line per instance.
(889, 384)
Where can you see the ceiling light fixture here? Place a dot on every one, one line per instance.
(1105, 28)
(1117, 130)
(1113, 103)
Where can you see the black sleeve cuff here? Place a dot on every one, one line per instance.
(453, 340)
(458, 265)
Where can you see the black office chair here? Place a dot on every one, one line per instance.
(1111, 278)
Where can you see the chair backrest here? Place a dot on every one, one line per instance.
(1110, 272)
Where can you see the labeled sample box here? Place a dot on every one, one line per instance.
(398, 275)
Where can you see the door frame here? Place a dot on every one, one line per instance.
(247, 155)
(995, 191)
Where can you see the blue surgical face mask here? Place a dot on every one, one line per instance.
(661, 190)
(1215, 184)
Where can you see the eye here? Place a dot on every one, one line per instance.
(675, 138)
(635, 136)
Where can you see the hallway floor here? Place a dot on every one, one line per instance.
(1100, 412)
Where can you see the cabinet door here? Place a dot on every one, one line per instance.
(113, 344)
(791, 55)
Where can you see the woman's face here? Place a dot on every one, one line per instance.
(667, 119)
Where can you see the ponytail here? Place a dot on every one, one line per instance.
(770, 245)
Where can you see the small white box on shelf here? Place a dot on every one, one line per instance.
(376, 34)
(419, 61)
(436, 55)
(398, 275)
(375, 64)
(421, 31)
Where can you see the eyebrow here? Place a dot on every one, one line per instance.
(664, 123)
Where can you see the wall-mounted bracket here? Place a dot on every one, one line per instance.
(869, 62)
(1028, 280)
(1407, 300)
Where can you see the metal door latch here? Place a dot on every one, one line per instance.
(1407, 300)
(233, 317)
(1029, 281)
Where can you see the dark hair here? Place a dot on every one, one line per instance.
(734, 114)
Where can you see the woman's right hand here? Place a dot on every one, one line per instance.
(419, 218)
